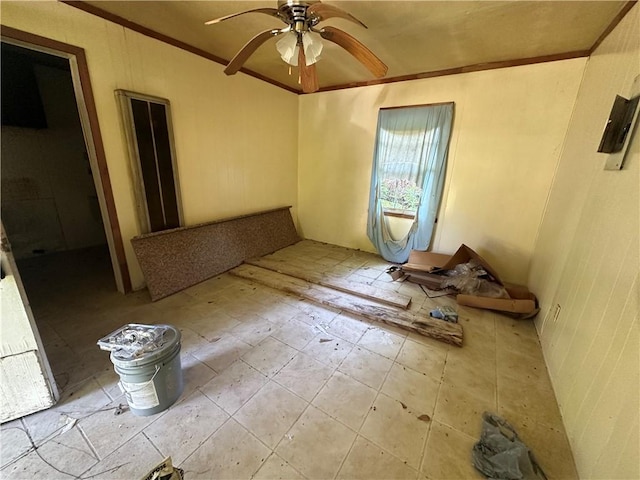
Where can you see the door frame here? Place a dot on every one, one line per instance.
(92, 136)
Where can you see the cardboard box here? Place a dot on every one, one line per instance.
(420, 261)
(438, 262)
(521, 301)
(426, 268)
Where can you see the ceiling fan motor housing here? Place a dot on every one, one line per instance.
(294, 12)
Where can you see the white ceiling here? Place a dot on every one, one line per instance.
(411, 37)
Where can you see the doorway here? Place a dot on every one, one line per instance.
(62, 55)
(57, 205)
(49, 201)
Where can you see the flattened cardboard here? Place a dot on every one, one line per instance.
(431, 262)
(517, 291)
(425, 268)
(425, 261)
(513, 305)
(521, 301)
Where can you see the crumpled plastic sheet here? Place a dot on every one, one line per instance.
(134, 340)
(465, 278)
(500, 454)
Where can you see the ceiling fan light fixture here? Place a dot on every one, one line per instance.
(287, 47)
(312, 44)
(301, 18)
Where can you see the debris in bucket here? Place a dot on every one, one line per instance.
(165, 471)
(133, 340)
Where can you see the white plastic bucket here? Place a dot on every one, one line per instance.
(152, 382)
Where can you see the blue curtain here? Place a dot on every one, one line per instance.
(417, 131)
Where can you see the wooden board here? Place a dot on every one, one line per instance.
(172, 260)
(362, 290)
(430, 327)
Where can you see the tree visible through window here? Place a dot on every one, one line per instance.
(408, 175)
(401, 172)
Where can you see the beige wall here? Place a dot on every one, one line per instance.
(586, 261)
(235, 136)
(508, 131)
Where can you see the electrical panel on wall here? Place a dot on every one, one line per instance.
(620, 127)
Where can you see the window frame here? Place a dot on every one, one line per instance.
(389, 212)
(400, 213)
(124, 98)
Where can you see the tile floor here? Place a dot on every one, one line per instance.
(264, 398)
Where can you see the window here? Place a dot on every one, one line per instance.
(401, 170)
(150, 138)
(407, 177)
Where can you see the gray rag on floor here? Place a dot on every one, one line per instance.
(500, 454)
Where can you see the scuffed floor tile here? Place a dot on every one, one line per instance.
(231, 452)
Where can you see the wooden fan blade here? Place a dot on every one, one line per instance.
(355, 48)
(236, 62)
(324, 11)
(308, 74)
(267, 11)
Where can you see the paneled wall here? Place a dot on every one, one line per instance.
(235, 136)
(585, 270)
(508, 131)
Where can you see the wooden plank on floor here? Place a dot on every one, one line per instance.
(354, 288)
(431, 327)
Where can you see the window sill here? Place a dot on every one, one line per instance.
(399, 214)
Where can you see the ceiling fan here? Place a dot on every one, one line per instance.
(301, 42)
